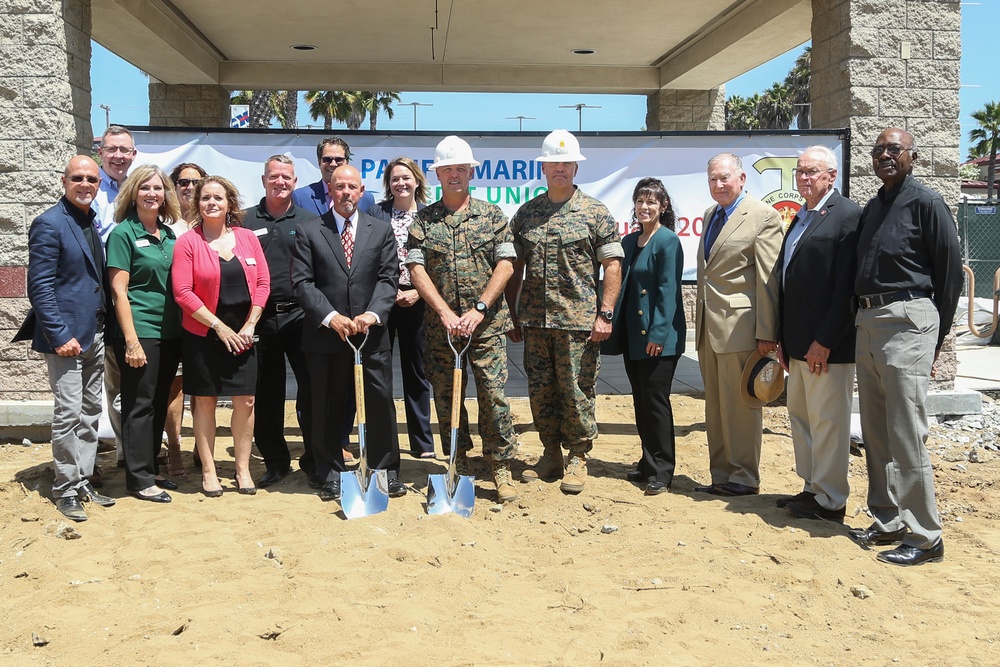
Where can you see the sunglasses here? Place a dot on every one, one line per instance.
(93, 180)
(187, 182)
(326, 159)
(892, 150)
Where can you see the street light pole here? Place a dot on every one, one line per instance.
(107, 115)
(520, 121)
(415, 105)
(579, 109)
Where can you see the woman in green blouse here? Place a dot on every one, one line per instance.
(140, 253)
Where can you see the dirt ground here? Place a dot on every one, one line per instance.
(608, 576)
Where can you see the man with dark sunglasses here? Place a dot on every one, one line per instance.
(908, 283)
(331, 153)
(67, 288)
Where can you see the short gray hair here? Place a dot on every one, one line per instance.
(283, 159)
(722, 157)
(827, 156)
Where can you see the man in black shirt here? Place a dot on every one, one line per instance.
(908, 283)
(274, 220)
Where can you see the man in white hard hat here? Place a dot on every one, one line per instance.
(460, 255)
(563, 237)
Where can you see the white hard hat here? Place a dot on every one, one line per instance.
(453, 150)
(560, 146)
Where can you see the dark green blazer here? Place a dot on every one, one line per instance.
(653, 285)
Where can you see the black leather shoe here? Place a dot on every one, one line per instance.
(783, 501)
(636, 477)
(272, 477)
(904, 554)
(87, 493)
(166, 484)
(330, 491)
(735, 489)
(314, 481)
(396, 488)
(655, 488)
(71, 508)
(711, 488)
(810, 509)
(873, 537)
(161, 497)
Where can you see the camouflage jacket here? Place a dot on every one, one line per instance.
(562, 250)
(459, 252)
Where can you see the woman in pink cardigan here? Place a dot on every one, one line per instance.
(221, 283)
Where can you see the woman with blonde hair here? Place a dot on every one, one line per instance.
(140, 254)
(221, 283)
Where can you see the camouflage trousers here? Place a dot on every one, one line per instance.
(562, 369)
(487, 358)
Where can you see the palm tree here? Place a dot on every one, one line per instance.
(986, 137)
(266, 105)
(376, 101)
(741, 113)
(797, 82)
(775, 109)
(331, 105)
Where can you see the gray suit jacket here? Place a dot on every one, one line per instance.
(322, 281)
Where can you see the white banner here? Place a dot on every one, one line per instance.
(509, 175)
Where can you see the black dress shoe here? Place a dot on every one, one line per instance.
(810, 509)
(161, 497)
(873, 537)
(711, 488)
(315, 482)
(636, 476)
(783, 501)
(396, 488)
(87, 493)
(735, 489)
(655, 488)
(272, 477)
(904, 554)
(166, 484)
(330, 491)
(71, 508)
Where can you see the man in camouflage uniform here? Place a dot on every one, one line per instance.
(460, 255)
(563, 237)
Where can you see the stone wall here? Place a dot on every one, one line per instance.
(686, 110)
(188, 105)
(44, 121)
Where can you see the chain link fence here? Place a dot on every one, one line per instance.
(979, 228)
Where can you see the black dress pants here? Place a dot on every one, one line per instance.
(408, 324)
(651, 379)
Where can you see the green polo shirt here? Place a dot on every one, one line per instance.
(147, 260)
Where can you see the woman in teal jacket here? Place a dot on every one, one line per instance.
(649, 329)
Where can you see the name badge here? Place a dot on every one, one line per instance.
(251, 261)
(261, 231)
(142, 243)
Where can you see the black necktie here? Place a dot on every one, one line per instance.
(718, 220)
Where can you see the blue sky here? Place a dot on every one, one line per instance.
(124, 89)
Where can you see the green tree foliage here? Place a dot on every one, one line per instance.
(985, 138)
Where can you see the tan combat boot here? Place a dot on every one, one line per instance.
(576, 471)
(505, 486)
(549, 468)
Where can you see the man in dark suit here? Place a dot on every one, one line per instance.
(816, 268)
(316, 197)
(736, 313)
(67, 288)
(344, 275)
(274, 221)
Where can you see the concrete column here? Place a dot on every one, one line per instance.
(188, 105)
(44, 121)
(686, 110)
(892, 63)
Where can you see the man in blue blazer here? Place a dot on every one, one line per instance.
(331, 153)
(67, 288)
(816, 269)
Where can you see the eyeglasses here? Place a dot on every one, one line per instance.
(892, 150)
(326, 159)
(810, 173)
(111, 150)
(93, 180)
(186, 182)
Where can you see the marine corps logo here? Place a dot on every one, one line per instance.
(785, 200)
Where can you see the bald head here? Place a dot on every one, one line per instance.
(80, 181)
(346, 189)
(893, 155)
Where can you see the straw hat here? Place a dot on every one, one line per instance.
(763, 380)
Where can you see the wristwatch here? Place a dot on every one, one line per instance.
(481, 307)
(607, 314)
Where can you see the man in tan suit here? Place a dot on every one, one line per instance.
(737, 313)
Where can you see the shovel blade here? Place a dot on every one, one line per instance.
(358, 499)
(461, 502)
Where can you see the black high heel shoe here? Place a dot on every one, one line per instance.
(217, 493)
(245, 490)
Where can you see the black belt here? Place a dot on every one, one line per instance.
(285, 306)
(875, 300)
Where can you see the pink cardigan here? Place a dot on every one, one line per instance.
(195, 274)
